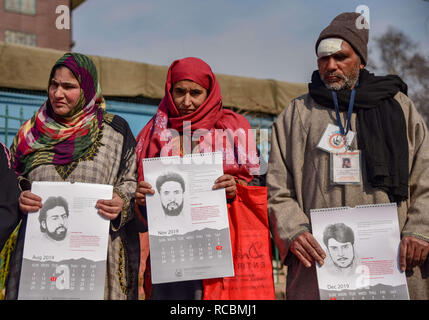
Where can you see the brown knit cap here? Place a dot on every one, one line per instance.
(344, 26)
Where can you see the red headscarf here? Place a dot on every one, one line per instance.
(209, 116)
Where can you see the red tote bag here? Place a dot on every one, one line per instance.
(251, 250)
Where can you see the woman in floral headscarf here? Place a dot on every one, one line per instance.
(193, 102)
(72, 138)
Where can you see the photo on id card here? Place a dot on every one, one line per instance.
(346, 167)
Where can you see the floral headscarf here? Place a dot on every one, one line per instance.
(47, 138)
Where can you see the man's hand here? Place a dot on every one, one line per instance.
(110, 209)
(412, 252)
(307, 249)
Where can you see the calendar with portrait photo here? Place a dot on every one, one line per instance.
(362, 253)
(188, 221)
(65, 247)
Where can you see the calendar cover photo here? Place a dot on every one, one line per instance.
(65, 248)
(362, 253)
(188, 223)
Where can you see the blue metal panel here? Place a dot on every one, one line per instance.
(261, 122)
(19, 106)
(137, 115)
(23, 105)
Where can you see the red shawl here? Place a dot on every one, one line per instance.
(240, 157)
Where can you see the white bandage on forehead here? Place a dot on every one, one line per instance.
(329, 46)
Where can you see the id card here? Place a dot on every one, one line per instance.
(346, 167)
(333, 141)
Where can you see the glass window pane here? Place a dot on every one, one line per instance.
(21, 6)
(17, 37)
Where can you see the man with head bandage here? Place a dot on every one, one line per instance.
(348, 110)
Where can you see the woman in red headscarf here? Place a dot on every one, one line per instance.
(193, 102)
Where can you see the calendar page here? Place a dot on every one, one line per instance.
(362, 250)
(188, 221)
(65, 248)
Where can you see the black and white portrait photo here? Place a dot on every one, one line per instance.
(171, 189)
(339, 241)
(53, 218)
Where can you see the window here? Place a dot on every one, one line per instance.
(21, 6)
(17, 37)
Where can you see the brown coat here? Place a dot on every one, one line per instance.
(298, 180)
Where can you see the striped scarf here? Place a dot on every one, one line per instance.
(49, 139)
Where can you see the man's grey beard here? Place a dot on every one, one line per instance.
(348, 80)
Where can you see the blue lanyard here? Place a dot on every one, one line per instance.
(349, 113)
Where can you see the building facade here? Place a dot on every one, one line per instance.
(38, 23)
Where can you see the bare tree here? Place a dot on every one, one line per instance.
(401, 56)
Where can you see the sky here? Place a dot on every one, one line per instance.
(264, 39)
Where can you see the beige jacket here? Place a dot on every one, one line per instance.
(298, 180)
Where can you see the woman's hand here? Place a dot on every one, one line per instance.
(228, 182)
(143, 188)
(29, 202)
(110, 209)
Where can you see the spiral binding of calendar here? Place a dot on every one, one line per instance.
(160, 158)
(190, 155)
(377, 205)
(329, 209)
